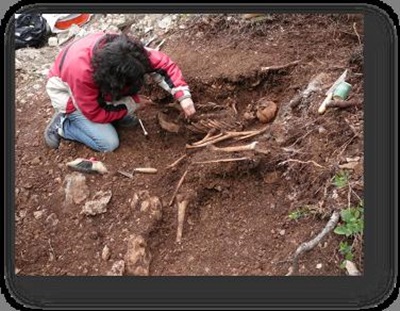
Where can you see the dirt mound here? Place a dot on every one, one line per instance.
(242, 176)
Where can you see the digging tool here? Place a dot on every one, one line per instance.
(329, 93)
(146, 134)
(144, 170)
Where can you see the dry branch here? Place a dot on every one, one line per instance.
(304, 247)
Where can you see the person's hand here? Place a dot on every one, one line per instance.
(188, 107)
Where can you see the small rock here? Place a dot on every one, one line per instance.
(52, 219)
(18, 64)
(53, 41)
(22, 214)
(94, 235)
(319, 266)
(117, 269)
(28, 186)
(17, 270)
(106, 253)
(38, 214)
(322, 130)
(349, 166)
(282, 232)
(165, 22)
(355, 159)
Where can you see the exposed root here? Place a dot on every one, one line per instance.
(305, 247)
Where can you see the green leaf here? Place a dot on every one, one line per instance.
(357, 213)
(342, 265)
(346, 215)
(349, 256)
(341, 230)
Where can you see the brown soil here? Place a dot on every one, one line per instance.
(237, 220)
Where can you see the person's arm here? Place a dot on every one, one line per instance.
(169, 76)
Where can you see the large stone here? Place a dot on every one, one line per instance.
(98, 205)
(76, 190)
(137, 257)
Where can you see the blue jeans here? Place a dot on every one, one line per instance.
(101, 137)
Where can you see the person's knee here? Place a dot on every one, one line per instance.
(109, 144)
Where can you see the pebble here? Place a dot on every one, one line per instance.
(52, 219)
(319, 266)
(106, 253)
(38, 214)
(282, 232)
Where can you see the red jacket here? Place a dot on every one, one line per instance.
(74, 69)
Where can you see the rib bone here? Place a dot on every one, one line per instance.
(247, 147)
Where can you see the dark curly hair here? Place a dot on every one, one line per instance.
(119, 64)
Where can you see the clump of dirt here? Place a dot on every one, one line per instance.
(239, 200)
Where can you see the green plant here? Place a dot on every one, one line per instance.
(352, 221)
(299, 212)
(352, 224)
(347, 251)
(341, 179)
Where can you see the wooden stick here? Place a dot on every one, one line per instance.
(223, 160)
(304, 247)
(177, 187)
(251, 146)
(177, 161)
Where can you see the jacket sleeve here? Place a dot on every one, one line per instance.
(85, 97)
(168, 75)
